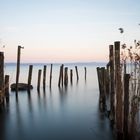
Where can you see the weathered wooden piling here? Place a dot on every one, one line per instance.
(51, 76)
(66, 76)
(118, 91)
(76, 69)
(30, 75)
(18, 66)
(44, 77)
(112, 84)
(60, 76)
(126, 106)
(7, 88)
(101, 72)
(1, 77)
(39, 79)
(85, 73)
(71, 76)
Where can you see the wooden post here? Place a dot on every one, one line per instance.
(18, 67)
(118, 91)
(126, 105)
(71, 76)
(7, 88)
(66, 76)
(60, 76)
(1, 77)
(30, 75)
(77, 73)
(85, 73)
(39, 79)
(44, 77)
(102, 87)
(51, 76)
(112, 88)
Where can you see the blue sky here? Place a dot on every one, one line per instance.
(66, 30)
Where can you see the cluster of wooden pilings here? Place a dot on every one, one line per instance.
(4, 82)
(114, 85)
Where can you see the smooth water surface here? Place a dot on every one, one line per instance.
(58, 113)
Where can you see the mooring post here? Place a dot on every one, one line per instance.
(85, 73)
(51, 76)
(7, 88)
(39, 79)
(44, 77)
(118, 91)
(18, 66)
(66, 76)
(77, 73)
(71, 76)
(126, 105)
(1, 76)
(112, 88)
(30, 75)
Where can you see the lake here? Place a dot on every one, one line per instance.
(70, 113)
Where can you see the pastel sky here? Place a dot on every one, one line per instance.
(66, 30)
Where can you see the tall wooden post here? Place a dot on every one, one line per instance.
(66, 76)
(18, 67)
(85, 73)
(44, 77)
(51, 76)
(39, 79)
(30, 75)
(126, 105)
(118, 91)
(77, 73)
(7, 88)
(112, 88)
(1, 76)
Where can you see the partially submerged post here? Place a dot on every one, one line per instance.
(71, 76)
(30, 76)
(51, 76)
(112, 88)
(118, 91)
(60, 76)
(66, 76)
(85, 73)
(1, 76)
(126, 105)
(7, 88)
(18, 66)
(77, 73)
(39, 79)
(44, 77)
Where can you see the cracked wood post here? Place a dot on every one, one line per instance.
(112, 88)
(118, 91)
(39, 79)
(44, 77)
(1, 76)
(30, 75)
(7, 88)
(126, 105)
(18, 66)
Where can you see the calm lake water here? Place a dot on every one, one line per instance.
(70, 113)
